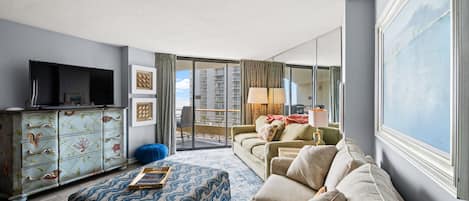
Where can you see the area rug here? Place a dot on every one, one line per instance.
(243, 181)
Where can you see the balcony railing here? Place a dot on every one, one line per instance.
(210, 126)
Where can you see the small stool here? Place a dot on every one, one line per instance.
(151, 152)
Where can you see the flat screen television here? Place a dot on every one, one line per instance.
(55, 84)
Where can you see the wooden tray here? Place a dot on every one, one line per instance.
(148, 178)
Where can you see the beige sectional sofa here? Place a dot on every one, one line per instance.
(351, 173)
(257, 153)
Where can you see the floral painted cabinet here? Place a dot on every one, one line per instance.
(42, 149)
(114, 142)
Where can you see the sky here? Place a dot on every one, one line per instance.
(183, 88)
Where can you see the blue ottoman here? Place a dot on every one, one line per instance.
(151, 152)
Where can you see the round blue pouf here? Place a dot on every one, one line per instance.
(151, 152)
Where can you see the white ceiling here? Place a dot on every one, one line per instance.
(249, 29)
(328, 51)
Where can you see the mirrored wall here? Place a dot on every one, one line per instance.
(313, 74)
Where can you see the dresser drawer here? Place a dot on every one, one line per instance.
(113, 119)
(39, 177)
(36, 125)
(113, 145)
(41, 151)
(82, 121)
(75, 168)
(114, 161)
(76, 145)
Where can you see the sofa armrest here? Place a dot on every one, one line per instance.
(279, 165)
(271, 150)
(242, 129)
(331, 135)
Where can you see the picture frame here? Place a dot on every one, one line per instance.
(143, 111)
(143, 80)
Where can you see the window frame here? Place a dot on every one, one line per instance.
(450, 172)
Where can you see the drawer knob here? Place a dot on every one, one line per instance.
(31, 126)
(109, 118)
(69, 113)
(34, 138)
(48, 176)
(45, 151)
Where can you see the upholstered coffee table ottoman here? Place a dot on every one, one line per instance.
(186, 183)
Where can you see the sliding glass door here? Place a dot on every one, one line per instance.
(214, 97)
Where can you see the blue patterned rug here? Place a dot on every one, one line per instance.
(243, 181)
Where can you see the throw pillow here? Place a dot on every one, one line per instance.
(280, 127)
(369, 182)
(311, 165)
(330, 196)
(297, 119)
(267, 132)
(348, 158)
(261, 121)
(272, 117)
(297, 132)
(320, 191)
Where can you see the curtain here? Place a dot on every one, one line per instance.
(166, 94)
(335, 76)
(275, 80)
(264, 74)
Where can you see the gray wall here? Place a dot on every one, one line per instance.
(21, 43)
(141, 135)
(359, 73)
(409, 181)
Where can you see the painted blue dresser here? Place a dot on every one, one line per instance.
(43, 149)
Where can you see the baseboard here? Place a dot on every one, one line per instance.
(131, 161)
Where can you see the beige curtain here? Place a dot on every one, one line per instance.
(275, 80)
(265, 74)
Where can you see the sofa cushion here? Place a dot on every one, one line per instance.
(259, 152)
(311, 165)
(260, 122)
(248, 144)
(280, 188)
(297, 132)
(347, 159)
(241, 137)
(333, 195)
(368, 182)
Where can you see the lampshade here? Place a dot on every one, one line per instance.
(277, 95)
(257, 96)
(318, 118)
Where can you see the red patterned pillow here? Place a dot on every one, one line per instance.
(296, 119)
(272, 117)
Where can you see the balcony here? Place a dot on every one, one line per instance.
(211, 130)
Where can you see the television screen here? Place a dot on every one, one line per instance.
(59, 84)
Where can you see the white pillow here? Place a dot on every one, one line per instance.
(334, 195)
(311, 165)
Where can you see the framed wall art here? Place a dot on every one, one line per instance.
(143, 111)
(143, 80)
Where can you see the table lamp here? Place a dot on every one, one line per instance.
(257, 96)
(317, 117)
